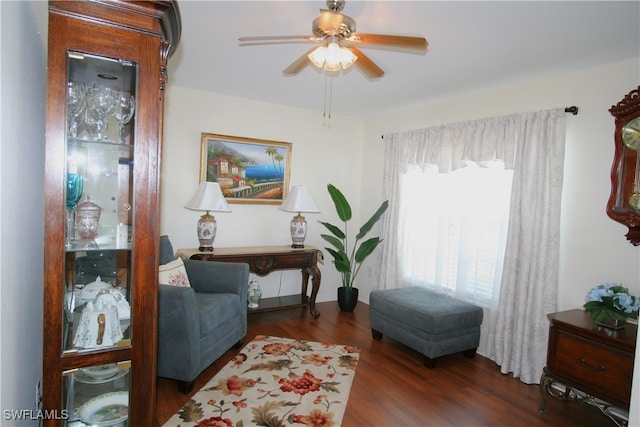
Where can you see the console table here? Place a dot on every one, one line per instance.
(263, 260)
(594, 364)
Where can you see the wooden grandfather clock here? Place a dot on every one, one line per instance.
(624, 201)
(106, 76)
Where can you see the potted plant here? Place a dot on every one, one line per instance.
(611, 304)
(348, 260)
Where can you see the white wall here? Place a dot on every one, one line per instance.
(22, 93)
(320, 155)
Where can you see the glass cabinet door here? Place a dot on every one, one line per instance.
(97, 395)
(100, 116)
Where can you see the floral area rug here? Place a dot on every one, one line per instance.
(275, 382)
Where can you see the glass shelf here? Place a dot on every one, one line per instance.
(100, 244)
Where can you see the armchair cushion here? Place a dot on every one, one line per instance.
(174, 274)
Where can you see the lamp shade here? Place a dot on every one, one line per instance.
(208, 197)
(332, 57)
(299, 200)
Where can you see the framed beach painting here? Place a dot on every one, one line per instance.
(248, 170)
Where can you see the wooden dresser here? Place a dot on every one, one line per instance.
(594, 364)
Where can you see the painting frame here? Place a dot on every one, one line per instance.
(248, 170)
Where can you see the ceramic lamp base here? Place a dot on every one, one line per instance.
(206, 232)
(254, 294)
(298, 231)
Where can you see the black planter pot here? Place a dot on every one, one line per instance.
(347, 298)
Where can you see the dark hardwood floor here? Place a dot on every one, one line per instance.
(393, 388)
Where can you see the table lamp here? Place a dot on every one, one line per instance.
(299, 200)
(208, 197)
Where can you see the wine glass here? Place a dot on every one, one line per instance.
(75, 106)
(75, 186)
(126, 105)
(102, 102)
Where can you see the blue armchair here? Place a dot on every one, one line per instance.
(198, 324)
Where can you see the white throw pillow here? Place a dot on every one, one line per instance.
(174, 274)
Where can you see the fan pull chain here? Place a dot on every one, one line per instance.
(324, 106)
(328, 82)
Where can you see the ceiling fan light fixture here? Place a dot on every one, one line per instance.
(332, 57)
(332, 60)
(318, 56)
(347, 58)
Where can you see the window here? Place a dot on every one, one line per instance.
(453, 229)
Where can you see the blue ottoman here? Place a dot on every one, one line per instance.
(430, 323)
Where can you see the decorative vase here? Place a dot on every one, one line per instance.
(88, 219)
(254, 294)
(612, 323)
(347, 298)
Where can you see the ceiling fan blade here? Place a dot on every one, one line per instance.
(396, 41)
(365, 64)
(259, 40)
(298, 64)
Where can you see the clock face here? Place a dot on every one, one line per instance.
(631, 134)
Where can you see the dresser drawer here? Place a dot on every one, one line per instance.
(600, 370)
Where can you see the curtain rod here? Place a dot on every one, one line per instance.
(572, 109)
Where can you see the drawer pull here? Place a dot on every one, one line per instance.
(591, 368)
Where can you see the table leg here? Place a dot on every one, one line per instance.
(615, 414)
(315, 282)
(545, 382)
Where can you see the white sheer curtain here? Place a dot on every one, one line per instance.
(532, 145)
(465, 214)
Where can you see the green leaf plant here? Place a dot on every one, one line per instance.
(348, 261)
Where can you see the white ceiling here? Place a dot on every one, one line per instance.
(473, 46)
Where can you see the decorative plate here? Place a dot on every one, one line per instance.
(91, 290)
(106, 410)
(81, 377)
(100, 372)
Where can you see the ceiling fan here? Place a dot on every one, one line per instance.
(339, 40)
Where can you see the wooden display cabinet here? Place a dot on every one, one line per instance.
(105, 99)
